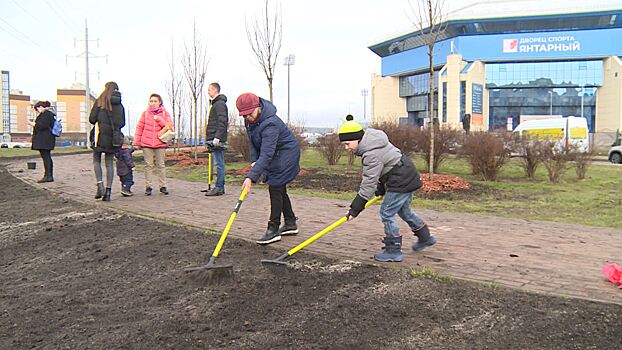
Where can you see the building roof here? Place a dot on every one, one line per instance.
(503, 16)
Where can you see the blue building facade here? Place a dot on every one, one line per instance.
(537, 65)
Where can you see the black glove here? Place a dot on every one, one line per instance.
(380, 190)
(357, 206)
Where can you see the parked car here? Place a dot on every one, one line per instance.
(615, 155)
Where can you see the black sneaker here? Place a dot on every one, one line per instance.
(215, 192)
(288, 228)
(163, 190)
(148, 191)
(126, 193)
(271, 235)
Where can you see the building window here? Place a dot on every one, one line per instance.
(462, 99)
(544, 74)
(416, 84)
(513, 103)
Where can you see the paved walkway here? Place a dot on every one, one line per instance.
(542, 257)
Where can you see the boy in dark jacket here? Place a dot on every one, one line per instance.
(389, 173)
(125, 164)
(275, 153)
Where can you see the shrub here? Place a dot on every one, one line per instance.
(583, 160)
(297, 130)
(556, 158)
(238, 141)
(401, 136)
(529, 152)
(330, 148)
(486, 153)
(445, 141)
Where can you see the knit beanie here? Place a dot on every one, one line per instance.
(350, 130)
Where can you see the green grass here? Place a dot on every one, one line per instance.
(26, 152)
(427, 272)
(595, 201)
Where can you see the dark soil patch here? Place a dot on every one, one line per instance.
(75, 276)
(186, 158)
(316, 179)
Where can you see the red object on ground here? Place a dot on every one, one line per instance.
(443, 183)
(613, 272)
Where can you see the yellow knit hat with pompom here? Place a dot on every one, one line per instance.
(350, 130)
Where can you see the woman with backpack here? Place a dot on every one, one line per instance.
(42, 138)
(107, 117)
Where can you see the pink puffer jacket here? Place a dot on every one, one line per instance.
(149, 127)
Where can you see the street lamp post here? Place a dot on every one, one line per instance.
(364, 93)
(551, 111)
(582, 94)
(289, 61)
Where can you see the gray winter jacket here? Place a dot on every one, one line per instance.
(379, 157)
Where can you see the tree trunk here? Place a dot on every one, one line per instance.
(431, 118)
(431, 40)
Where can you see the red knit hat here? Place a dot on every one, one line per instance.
(246, 103)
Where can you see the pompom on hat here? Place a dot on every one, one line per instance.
(350, 130)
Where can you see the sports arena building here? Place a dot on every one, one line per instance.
(498, 61)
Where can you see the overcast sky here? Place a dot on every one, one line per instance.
(328, 37)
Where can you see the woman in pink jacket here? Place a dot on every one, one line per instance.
(154, 122)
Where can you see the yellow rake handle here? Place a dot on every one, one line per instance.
(209, 170)
(224, 234)
(326, 230)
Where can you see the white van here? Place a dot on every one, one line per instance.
(567, 131)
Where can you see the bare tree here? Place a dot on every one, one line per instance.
(195, 64)
(264, 36)
(173, 88)
(428, 18)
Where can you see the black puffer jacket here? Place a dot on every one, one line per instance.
(101, 134)
(403, 178)
(42, 138)
(218, 120)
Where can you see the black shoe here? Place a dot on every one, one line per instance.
(107, 194)
(100, 190)
(163, 190)
(215, 192)
(148, 191)
(125, 192)
(271, 235)
(289, 228)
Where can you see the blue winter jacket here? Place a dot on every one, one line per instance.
(273, 148)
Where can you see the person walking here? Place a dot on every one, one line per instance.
(389, 173)
(216, 135)
(125, 166)
(153, 123)
(275, 153)
(42, 138)
(108, 118)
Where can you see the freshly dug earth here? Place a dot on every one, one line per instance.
(75, 276)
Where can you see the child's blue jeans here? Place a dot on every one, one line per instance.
(398, 203)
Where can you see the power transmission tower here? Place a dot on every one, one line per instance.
(87, 91)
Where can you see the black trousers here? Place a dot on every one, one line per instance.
(48, 165)
(280, 203)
